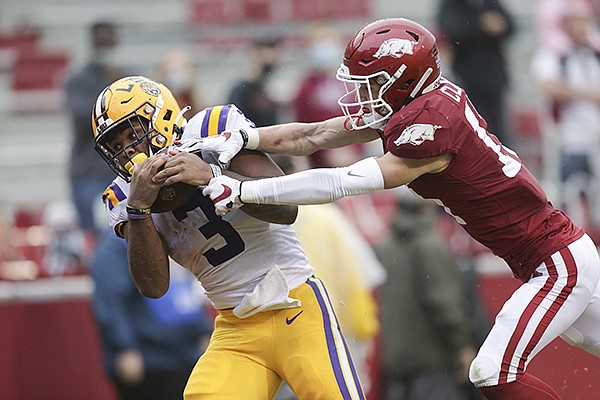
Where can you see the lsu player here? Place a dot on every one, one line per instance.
(275, 320)
(437, 143)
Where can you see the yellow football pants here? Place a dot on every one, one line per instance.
(247, 359)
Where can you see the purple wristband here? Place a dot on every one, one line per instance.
(138, 216)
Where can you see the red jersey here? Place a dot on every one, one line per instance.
(486, 187)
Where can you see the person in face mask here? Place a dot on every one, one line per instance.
(319, 91)
(251, 95)
(88, 174)
(177, 70)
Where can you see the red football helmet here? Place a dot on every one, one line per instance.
(386, 64)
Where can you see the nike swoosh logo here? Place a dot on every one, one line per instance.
(290, 320)
(226, 193)
(350, 173)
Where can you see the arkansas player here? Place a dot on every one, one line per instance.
(437, 144)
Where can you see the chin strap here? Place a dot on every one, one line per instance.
(180, 116)
(418, 87)
(177, 126)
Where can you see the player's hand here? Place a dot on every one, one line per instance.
(182, 166)
(224, 193)
(143, 190)
(227, 145)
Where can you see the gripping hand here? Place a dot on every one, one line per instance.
(227, 144)
(224, 193)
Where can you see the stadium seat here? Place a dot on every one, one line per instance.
(39, 71)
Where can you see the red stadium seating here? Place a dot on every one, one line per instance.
(39, 71)
(214, 12)
(22, 41)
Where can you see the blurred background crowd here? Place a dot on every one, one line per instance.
(73, 324)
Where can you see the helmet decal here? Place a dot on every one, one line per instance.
(395, 48)
(150, 88)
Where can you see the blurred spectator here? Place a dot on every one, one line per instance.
(549, 24)
(150, 345)
(22, 244)
(88, 174)
(7, 250)
(347, 264)
(250, 95)
(69, 250)
(478, 30)
(8, 253)
(570, 81)
(446, 57)
(319, 91)
(176, 70)
(428, 341)
(316, 100)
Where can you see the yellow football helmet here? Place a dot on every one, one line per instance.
(135, 98)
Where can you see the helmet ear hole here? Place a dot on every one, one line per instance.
(414, 35)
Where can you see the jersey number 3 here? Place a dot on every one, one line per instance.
(215, 226)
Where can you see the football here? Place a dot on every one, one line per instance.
(172, 197)
(169, 197)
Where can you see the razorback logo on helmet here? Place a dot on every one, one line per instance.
(417, 134)
(395, 48)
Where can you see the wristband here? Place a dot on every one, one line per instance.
(138, 216)
(138, 213)
(250, 138)
(240, 195)
(216, 170)
(246, 192)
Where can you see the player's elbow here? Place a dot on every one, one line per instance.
(287, 215)
(152, 288)
(275, 214)
(153, 292)
(282, 214)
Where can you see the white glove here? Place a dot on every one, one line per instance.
(224, 192)
(227, 144)
(190, 145)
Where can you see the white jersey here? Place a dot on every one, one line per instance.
(229, 255)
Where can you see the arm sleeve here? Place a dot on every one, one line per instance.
(315, 186)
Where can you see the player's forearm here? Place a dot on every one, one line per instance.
(302, 139)
(293, 138)
(315, 186)
(277, 214)
(248, 165)
(148, 259)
